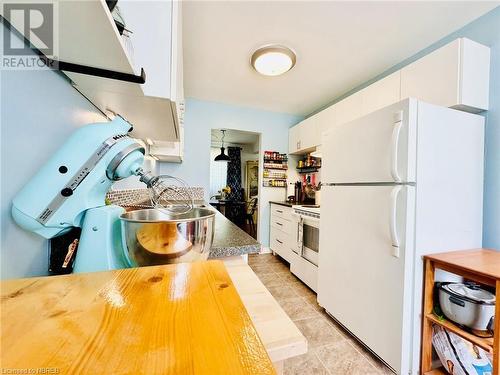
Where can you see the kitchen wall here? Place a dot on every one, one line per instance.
(485, 30)
(39, 110)
(202, 116)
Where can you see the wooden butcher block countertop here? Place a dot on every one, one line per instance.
(173, 319)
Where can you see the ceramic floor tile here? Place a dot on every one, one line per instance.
(305, 364)
(363, 367)
(312, 300)
(270, 279)
(298, 308)
(261, 269)
(339, 358)
(318, 331)
(262, 259)
(282, 292)
(280, 267)
(377, 363)
(302, 290)
(288, 276)
(332, 350)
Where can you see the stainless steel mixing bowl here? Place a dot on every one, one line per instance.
(155, 236)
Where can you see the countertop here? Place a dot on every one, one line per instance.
(230, 240)
(171, 319)
(282, 203)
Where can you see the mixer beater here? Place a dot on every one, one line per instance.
(167, 193)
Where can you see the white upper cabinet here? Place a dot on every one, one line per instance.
(349, 108)
(456, 75)
(304, 136)
(325, 120)
(87, 36)
(294, 139)
(382, 93)
(309, 133)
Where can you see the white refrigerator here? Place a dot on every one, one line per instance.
(401, 182)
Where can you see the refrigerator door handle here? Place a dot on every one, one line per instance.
(394, 146)
(393, 219)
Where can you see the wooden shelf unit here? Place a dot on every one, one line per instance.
(479, 265)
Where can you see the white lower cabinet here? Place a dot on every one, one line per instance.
(305, 271)
(282, 234)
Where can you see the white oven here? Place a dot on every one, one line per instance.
(306, 250)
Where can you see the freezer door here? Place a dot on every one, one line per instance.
(366, 265)
(379, 147)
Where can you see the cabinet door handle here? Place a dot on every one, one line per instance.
(279, 241)
(279, 211)
(279, 224)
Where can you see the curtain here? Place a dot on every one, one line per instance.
(234, 173)
(235, 212)
(218, 173)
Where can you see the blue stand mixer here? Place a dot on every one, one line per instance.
(70, 189)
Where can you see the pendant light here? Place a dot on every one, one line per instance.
(222, 156)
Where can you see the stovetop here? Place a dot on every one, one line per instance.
(308, 208)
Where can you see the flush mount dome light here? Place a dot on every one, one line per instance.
(273, 60)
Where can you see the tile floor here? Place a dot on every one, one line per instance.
(332, 351)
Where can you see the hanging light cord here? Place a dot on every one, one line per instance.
(223, 135)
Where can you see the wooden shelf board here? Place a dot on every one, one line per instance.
(485, 343)
(483, 262)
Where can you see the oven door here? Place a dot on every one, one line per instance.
(310, 239)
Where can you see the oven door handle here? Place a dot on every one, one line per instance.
(300, 235)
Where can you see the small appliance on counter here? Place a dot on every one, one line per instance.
(469, 305)
(69, 192)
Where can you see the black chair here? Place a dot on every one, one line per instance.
(252, 206)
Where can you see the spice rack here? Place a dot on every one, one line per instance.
(308, 165)
(275, 169)
(479, 265)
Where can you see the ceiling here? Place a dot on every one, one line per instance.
(235, 137)
(339, 45)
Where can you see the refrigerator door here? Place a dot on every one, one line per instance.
(379, 147)
(366, 266)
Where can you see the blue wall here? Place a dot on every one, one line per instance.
(39, 110)
(485, 30)
(201, 117)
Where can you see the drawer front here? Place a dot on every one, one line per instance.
(282, 224)
(280, 243)
(305, 271)
(281, 211)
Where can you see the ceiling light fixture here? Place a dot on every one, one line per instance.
(273, 60)
(222, 156)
